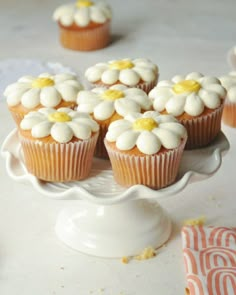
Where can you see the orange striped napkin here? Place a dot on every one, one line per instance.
(210, 259)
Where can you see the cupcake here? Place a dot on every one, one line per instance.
(84, 25)
(197, 101)
(146, 149)
(107, 105)
(47, 90)
(58, 145)
(140, 73)
(229, 112)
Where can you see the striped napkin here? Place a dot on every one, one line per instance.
(210, 260)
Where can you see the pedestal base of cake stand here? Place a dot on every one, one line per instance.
(118, 230)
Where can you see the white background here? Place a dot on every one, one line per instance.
(180, 36)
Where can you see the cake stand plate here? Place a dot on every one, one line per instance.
(106, 219)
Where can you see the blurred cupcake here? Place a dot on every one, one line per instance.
(58, 145)
(197, 101)
(84, 25)
(146, 149)
(140, 73)
(47, 90)
(229, 113)
(107, 105)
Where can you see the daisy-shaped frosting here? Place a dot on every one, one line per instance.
(229, 83)
(82, 12)
(103, 103)
(189, 94)
(148, 132)
(46, 89)
(126, 71)
(62, 124)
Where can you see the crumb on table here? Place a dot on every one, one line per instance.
(195, 221)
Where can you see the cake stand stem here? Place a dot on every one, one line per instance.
(123, 229)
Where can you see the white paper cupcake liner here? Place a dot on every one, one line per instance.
(202, 130)
(229, 114)
(155, 171)
(59, 162)
(86, 39)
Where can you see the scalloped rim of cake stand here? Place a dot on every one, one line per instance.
(210, 156)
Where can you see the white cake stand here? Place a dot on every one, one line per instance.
(108, 220)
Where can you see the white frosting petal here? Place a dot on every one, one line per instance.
(110, 76)
(93, 125)
(194, 76)
(82, 18)
(176, 79)
(104, 110)
(129, 77)
(81, 131)
(30, 99)
(31, 120)
(127, 140)
(68, 92)
(174, 127)
(168, 138)
(14, 96)
(125, 106)
(145, 73)
(26, 79)
(59, 78)
(117, 129)
(148, 143)
(175, 105)
(62, 133)
(210, 99)
(216, 88)
(141, 100)
(41, 130)
(194, 106)
(50, 97)
(97, 15)
(93, 74)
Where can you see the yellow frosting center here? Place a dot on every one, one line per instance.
(186, 86)
(59, 117)
(112, 94)
(121, 65)
(144, 124)
(84, 3)
(42, 82)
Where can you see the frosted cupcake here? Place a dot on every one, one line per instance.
(146, 149)
(229, 113)
(108, 105)
(47, 90)
(58, 145)
(140, 73)
(197, 101)
(84, 25)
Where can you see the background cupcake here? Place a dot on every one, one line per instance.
(47, 90)
(229, 113)
(58, 145)
(107, 105)
(140, 73)
(146, 149)
(84, 25)
(197, 101)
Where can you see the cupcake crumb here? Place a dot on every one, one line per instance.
(147, 253)
(187, 292)
(195, 221)
(125, 260)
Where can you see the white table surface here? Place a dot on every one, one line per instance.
(180, 36)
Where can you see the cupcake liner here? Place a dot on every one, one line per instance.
(85, 39)
(202, 130)
(229, 114)
(100, 150)
(155, 171)
(59, 162)
(17, 117)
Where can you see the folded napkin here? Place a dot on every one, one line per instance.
(210, 259)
